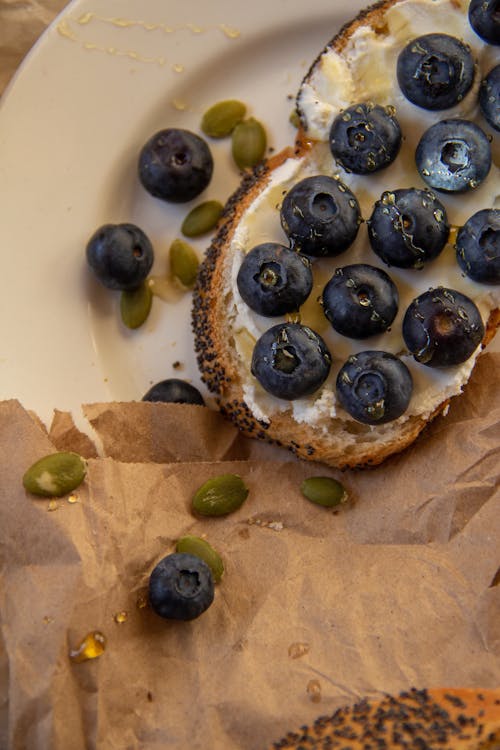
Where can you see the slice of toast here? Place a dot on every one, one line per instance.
(225, 331)
(458, 719)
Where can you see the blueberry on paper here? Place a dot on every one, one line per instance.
(374, 387)
(360, 300)
(365, 138)
(320, 216)
(442, 327)
(174, 390)
(453, 156)
(478, 246)
(290, 361)
(274, 280)
(121, 256)
(435, 71)
(181, 587)
(408, 227)
(175, 165)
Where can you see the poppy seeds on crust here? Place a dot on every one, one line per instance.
(414, 719)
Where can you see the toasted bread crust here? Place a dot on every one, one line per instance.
(458, 719)
(215, 350)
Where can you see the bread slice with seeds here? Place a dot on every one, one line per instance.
(225, 330)
(451, 719)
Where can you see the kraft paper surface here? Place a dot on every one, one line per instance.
(317, 607)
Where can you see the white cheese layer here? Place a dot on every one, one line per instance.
(369, 74)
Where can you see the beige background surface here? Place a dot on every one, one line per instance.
(21, 23)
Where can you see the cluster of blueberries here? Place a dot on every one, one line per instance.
(408, 227)
(174, 165)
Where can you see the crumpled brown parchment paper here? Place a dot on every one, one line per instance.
(316, 608)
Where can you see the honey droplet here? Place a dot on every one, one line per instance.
(120, 617)
(179, 105)
(314, 690)
(142, 601)
(72, 499)
(230, 32)
(52, 505)
(177, 68)
(47, 620)
(296, 650)
(92, 646)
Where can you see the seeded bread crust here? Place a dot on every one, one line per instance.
(215, 347)
(451, 719)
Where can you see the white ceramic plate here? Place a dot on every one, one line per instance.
(103, 78)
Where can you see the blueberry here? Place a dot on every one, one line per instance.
(320, 216)
(489, 97)
(435, 71)
(453, 156)
(290, 360)
(478, 246)
(374, 387)
(181, 587)
(274, 280)
(175, 391)
(408, 227)
(484, 17)
(175, 165)
(365, 138)
(442, 327)
(120, 255)
(360, 301)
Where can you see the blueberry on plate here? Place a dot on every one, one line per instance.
(374, 387)
(442, 327)
(290, 361)
(360, 300)
(453, 156)
(478, 246)
(365, 138)
(175, 165)
(408, 227)
(484, 17)
(274, 280)
(489, 97)
(175, 391)
(435, 71)
(320, 216)
(181, 587)
(120, 255)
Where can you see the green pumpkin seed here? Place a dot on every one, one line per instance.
(55, 475)
(221, 495)
(202, 219)
(135, 305)
(324, 491)
(249, 142)
(183, 263)
(221, 119)
(194, 545)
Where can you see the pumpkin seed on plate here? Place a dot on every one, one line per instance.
(220, 495)
(249, 142)
(221, 119)
(55, 475)
(324, 491)
(183, 263)
(202, 218)
(135, 305)
(194, 545)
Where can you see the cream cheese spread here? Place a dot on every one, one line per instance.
(366, 71)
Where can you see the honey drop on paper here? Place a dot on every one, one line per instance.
(92, 646)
